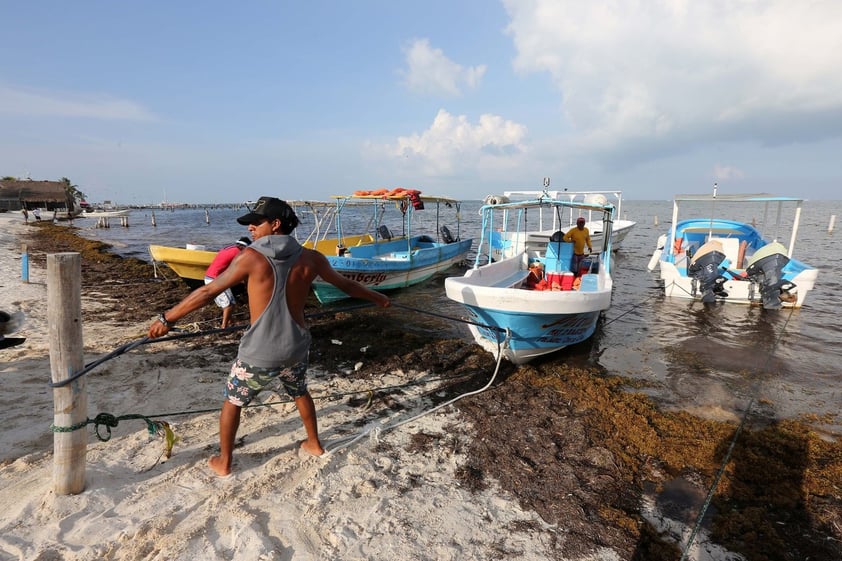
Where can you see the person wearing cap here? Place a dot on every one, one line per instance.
(580, 236)
(224, 256)
(278, 273)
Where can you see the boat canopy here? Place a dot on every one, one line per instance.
(757, 198)
(744, 198)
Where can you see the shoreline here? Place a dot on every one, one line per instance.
(529, 469)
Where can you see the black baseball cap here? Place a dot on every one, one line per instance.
(271, 208)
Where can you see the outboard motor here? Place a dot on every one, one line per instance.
(705, 269)
(767, 271)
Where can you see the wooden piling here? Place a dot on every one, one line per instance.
(70, 403)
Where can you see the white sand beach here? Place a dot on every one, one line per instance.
(372, 499)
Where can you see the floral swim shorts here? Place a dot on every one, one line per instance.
(246, 381)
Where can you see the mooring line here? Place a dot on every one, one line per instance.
(442, 316)
(108, 420)
(173, 337)
(375, 431)
(188, 335)
(709, 497)
(630, 310)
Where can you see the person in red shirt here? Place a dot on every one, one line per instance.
(223, 258)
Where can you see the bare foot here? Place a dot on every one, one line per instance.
(219, 467)
(312, 449)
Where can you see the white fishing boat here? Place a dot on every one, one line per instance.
(530, 301)
(544, 225)
(714, 259)
(101, 213)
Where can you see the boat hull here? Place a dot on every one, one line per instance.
(105, 214)
(189, 264)
(527, 336)
(391, 265)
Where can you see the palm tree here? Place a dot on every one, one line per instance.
(73, 193)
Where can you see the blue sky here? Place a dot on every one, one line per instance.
(212, 101)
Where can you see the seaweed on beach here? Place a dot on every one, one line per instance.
(579, 449)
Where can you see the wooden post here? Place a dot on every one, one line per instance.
(70, 403)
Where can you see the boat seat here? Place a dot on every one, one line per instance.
(515, 280)
(558, 257)
(730, 247)
(385, 233)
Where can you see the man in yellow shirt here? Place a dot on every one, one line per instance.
(580, 236)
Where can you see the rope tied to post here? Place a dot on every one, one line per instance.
(109, 421)
(162, 429)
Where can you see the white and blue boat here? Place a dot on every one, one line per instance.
(546, 224)
(528, 301)
(394, 239)
(712, 259)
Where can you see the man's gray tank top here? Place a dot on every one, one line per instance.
(275, 339)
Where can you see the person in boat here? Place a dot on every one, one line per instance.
(535, 280)
(222, 261)
(580, 236)
(278, 273)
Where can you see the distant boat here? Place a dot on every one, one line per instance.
(98, 213)
(549, 221)
(530, 302)
(713, 259)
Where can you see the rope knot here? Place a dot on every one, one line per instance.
(109, 421)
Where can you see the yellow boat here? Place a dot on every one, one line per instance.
(191, 263)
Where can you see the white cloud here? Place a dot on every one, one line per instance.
(430, 72)
(452, 144)
(724, 173)
(639, 78)
(23, 102)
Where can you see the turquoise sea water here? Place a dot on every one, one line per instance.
(709, 359)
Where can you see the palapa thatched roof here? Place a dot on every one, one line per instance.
(27, 190)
